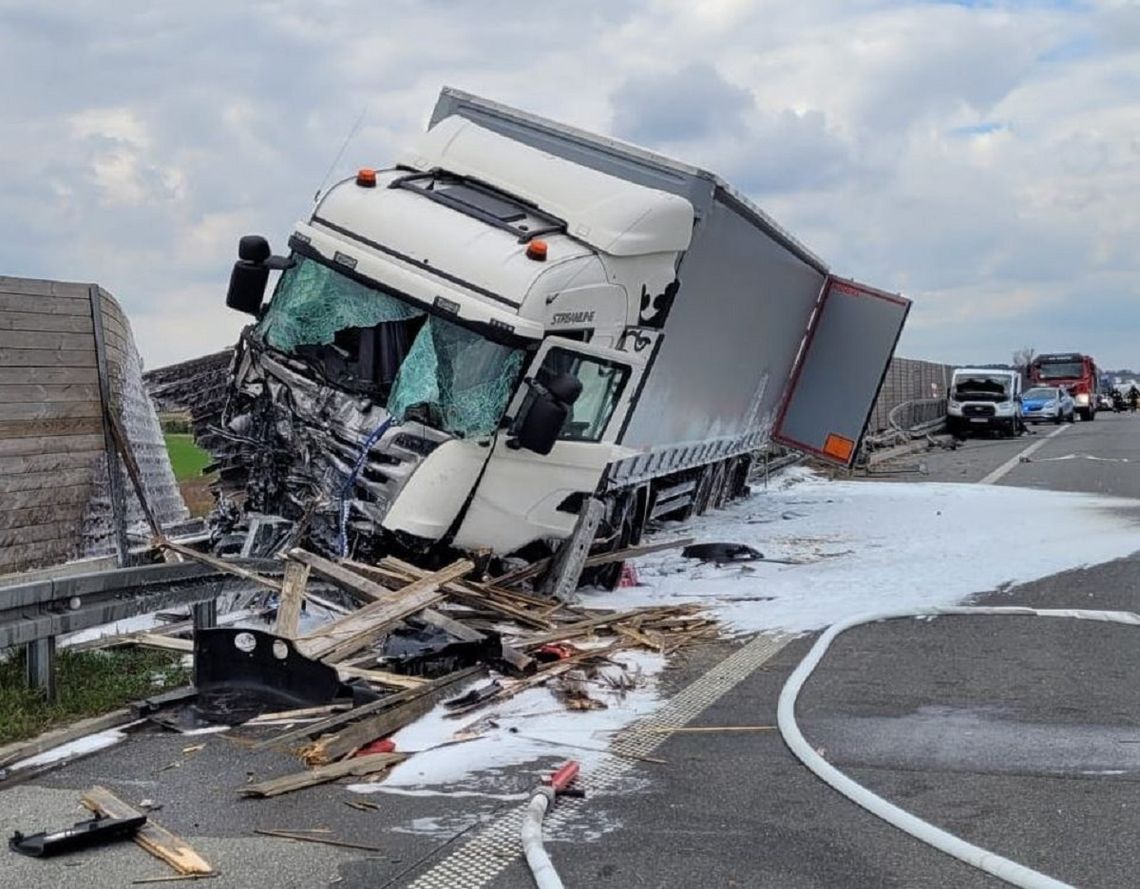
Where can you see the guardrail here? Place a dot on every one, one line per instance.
(33, 614)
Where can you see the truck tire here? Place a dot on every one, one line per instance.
(1086, 415)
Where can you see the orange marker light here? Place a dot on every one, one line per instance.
(839, 447)
(366, 177)
(536, 250)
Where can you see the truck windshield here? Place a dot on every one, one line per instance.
(363, 339)
(1061, 370)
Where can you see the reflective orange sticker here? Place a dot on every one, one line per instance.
(839, 447)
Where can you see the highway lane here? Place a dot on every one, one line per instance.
(1101, 457)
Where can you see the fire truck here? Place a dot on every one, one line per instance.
(1075, 372)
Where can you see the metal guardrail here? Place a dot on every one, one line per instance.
(919, 415)
(34, 613)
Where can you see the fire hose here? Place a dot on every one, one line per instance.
(545, 876)
(990, 862)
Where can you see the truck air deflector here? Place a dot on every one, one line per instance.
(840, 370)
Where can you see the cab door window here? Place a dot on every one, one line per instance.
(602, 385)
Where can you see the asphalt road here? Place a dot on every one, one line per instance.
(1019, 734)
(1101, 457)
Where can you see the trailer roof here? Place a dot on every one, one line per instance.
(701, 187)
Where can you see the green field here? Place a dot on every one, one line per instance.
(186, 458)
(87, 684)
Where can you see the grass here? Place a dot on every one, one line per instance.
(88, 683)
(186, 458)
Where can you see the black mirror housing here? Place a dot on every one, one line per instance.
(247, 287)
(539, 427)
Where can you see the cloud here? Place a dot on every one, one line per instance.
(981, 157)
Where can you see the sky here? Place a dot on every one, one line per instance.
(983, 158)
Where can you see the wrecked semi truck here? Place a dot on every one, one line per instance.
(519, 318)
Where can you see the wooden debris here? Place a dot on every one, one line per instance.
(310, 837)
(362, 805)
(382, 677)
(152, 836)
(384, 723)
(222, 565)
(344, 577)
(174, 878)
(344, 637)
(18, 750)
(292, 595)
(302, 713)
(621, 555)
(361, 765)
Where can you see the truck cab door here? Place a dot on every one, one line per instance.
(524, 496)
(840, 369)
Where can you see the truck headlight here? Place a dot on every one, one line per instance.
(1082, 399)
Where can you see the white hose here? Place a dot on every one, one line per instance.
(545, 876)
(1010, 871)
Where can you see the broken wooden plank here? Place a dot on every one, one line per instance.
(350, 580)
(152, 836)
(621, 555)
(344, 637)
(19, 750)
(222, 565)
(361, 765)
(292, 595)
(570, 631)
(356, 735)
(338, 719)
(381, 677)
(307, 837)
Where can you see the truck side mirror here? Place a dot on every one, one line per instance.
(251, 274)
(545, 413)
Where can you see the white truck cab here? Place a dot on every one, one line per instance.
(985, 399)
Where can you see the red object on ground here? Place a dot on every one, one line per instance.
(564, 776)
(384, 745)
(555, 651)
(628, 576)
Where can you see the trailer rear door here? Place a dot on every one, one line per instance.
(839, 371)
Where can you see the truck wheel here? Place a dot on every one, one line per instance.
(1086, 415)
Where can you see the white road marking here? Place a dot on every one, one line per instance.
(998, 474)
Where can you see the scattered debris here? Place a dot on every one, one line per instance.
(152, 836)
(309, 836)
(364, 765)
(700, 729)
(92, 832)
(721, 552)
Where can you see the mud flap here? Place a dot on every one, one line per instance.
(840, 369)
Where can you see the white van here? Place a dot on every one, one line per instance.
(982, 398)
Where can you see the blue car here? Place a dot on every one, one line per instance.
(1047, 404)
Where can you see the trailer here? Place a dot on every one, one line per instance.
(465, 349)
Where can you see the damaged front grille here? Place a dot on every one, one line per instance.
(297, 447)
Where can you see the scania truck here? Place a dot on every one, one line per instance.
(516, 317)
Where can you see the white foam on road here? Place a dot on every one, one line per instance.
(871, 546)
(864, 546)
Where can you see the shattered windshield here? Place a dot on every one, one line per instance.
(419, 366)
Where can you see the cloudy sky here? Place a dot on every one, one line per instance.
(981, 157)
